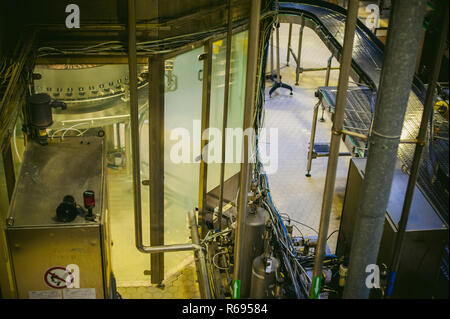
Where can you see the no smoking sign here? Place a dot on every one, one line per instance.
(58, 277)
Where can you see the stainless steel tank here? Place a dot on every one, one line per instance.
(253, 244)
(263, 283)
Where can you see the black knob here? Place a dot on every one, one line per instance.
(67, 210)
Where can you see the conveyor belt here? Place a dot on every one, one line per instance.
(358, 112)
(367, 62)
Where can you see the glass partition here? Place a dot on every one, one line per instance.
(235, 106)
(237, 100)
(182, 122)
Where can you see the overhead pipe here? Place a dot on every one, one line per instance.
(250, 89)
(395, 84)
(427, 111)
(338, 125)
(134, 121)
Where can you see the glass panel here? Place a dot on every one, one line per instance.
(216, 112)
(235, 108)
(237, 100)
(183, 109)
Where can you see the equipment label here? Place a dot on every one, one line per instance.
(81, 293)
(45, 294)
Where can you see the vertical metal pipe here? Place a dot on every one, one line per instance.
(327, 75)
(395, 85)
(134, 119)
(225, 109)
(341, 99)
(206, 106)
(278, 53)
(199, 256)
(299, 53)
(428, 108)
(289, 44)
(271, 53)
(313, 136)
(250, 89)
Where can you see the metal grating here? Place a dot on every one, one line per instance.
(434, 169)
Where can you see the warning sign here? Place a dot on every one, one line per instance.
(58, 277)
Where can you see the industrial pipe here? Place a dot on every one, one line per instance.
(338, 123)
(271, 53)
(250, 89)
(278, 52)
(199, 255)
(134, 122)
(427, 111)
(395, 84)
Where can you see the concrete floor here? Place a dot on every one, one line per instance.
(293, 193)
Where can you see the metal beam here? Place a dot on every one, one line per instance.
(156, 155)
(395, 84)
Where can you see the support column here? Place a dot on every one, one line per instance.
(427, 111)
(250, 89)
(395, 86)
(156, 156)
